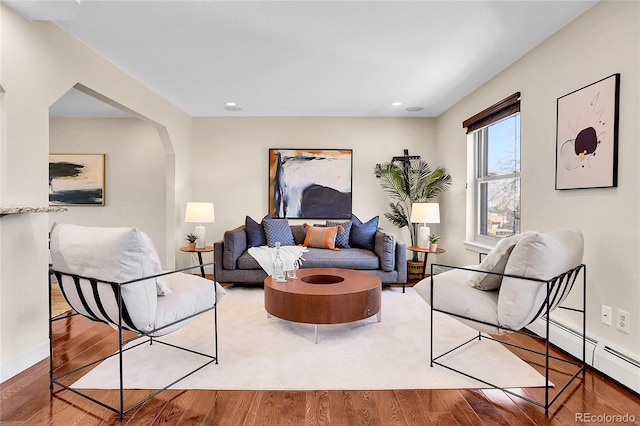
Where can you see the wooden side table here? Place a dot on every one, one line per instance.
(426, 252)
(199, 250)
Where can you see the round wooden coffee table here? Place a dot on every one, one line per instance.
(324, 296)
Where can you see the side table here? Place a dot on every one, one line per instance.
(426, 252)
(199, 250)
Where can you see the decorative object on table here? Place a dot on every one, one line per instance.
(587, 136)
(433, 242)
(424, 213)
(76, 179)
(192, 238)
(407, 183)
(199, 213)
(278, 266)
(310, 184)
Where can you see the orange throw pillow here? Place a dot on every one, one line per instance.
(322, 237)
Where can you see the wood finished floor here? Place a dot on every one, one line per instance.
(26, 400)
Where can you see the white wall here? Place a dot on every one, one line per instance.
(135, 189)
(39, 63)
(603, 41)
(230, 164)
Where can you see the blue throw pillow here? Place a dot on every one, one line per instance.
(277, 230)
(363, 235)
(255, 233)
(342, 239)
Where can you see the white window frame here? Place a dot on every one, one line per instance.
(476, 156)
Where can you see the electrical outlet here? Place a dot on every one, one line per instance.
(623, 321)
(605, 314)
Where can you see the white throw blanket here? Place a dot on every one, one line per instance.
(289, 254)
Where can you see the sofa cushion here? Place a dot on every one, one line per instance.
(342, 239)
(255, 232)
(299, 234)
(538, 255)
(322, 237)
(363, 234)
(320, 258)
(277, 230)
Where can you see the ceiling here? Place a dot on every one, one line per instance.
(314, 58)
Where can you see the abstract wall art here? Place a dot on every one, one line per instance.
(587, 136)
(310, 183)
(76, 179)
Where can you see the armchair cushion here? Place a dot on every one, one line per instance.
(537, 255)
(111, 255)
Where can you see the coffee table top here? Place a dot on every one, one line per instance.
(335, 281)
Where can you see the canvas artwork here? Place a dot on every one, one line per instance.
(310, 184)
(587, 136)
(76, 179)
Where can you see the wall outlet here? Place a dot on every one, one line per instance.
(623, 320)
(606, 315)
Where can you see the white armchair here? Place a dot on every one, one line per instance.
(114, 276)
(523, 279)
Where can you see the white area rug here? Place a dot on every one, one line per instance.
(260, 353)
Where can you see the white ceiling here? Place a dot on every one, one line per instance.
(316, 58)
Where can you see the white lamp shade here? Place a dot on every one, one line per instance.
(199, 213)
(425, 213)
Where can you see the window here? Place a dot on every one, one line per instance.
(495, 176)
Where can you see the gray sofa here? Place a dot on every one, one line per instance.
(388, 260)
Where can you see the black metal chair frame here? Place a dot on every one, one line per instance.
(122, 342)
(550, 301)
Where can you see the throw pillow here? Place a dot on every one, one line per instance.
(495, 261)
(277, 230)
(255, 232)
(342, 239)
(162, 288)
(322, 237)
(363, 234)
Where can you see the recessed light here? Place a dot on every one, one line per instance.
(396, 103)
(414, 109)
(230, 104)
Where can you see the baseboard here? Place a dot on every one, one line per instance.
(24, 361)
(599, 354)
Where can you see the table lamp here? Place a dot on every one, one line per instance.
(199, 213)
(424, 213)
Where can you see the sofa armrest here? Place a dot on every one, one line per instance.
(385, 249)
(235, 243)
(401, 261)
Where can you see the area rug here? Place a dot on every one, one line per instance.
(261, 353)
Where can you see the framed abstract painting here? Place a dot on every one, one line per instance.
(310, 183)
(587, 136)
(76, 179)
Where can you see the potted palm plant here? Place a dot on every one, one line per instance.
(408, 184)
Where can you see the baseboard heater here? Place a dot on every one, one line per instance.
(602, 357)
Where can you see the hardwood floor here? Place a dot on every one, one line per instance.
(26, 399)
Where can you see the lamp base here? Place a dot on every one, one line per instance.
(423, 236)
(200, 233)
